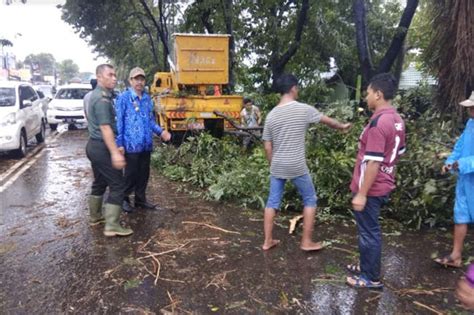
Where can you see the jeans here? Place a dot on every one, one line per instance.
(370, 238)
(303, 183)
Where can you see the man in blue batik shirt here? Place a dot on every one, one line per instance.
(135, 127)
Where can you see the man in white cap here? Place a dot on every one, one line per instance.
(136, 124)
(461, 161)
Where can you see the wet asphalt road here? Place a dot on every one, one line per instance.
(52, 262)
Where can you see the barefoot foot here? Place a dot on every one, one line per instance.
(268, 245)
(311, 246)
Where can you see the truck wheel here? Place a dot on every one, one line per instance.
(21, 151)
(53, 127)
(42, 134)
(215, 127)
(177, 137)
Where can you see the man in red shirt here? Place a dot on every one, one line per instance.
(380, 146)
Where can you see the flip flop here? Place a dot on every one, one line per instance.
(448, 261)
(362, 282)
(353, 268)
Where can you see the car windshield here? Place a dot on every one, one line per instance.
(47, 90)
(7, 96)
(71, 94)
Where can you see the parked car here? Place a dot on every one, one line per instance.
(67, 105)
(21, 117)
(44, 100)
(47, 90)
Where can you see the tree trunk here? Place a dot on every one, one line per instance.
(161, 35)
(227, 6)
(362, 41)
(398, 39)
(278, 64)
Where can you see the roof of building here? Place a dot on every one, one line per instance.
(412, 78)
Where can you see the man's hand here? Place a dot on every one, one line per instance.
(346, 127)
(358, 202)
(165, 135)
(118, 161)
(448, 167)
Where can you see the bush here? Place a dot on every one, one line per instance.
(227, 172)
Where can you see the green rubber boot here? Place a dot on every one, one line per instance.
(112, 221)
(95, 210)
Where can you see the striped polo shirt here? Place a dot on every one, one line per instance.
(285, 126)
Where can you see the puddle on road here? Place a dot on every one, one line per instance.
(53, 262)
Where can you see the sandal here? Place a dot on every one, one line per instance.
(353, 268)
(448, 261)
(362, 282)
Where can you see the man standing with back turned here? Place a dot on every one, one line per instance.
(380, 146)
(284, 141)
(106, 159)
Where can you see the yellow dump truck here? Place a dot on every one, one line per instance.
(187, 97)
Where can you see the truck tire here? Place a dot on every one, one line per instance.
(177, 137)
(53, 127)
(215, 127)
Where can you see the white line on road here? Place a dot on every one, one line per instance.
(21, 171)
(26, 162)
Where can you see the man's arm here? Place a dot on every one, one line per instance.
(259, 115)
(118, 161)
(119, 112)
(268, 146)
(360, 199)
(334, 124)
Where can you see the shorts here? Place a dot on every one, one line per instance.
(463, 208)
(303, 183)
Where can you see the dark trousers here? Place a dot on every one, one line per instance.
(137, 173)
(370, 238)
(104, 174)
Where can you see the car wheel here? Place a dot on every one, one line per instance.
(53, 127)
(21, 151)
(41, 135)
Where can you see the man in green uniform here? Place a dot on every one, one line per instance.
(106, 159)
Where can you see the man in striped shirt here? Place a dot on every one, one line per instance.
(284, 141)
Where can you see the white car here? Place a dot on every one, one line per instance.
(67, 106)
(21, 117)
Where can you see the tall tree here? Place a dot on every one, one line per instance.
(44, 63)
(367, 66)
(451, 52)
(67, 70)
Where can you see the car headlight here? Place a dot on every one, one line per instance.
(9, 119)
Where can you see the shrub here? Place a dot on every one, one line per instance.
(227, 172)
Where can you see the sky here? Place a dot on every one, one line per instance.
(37, 27)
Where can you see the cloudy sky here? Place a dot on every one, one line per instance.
(37, 27)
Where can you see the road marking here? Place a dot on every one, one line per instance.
(21, 171)
(26, 161)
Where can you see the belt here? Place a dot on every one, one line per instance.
(98, 140)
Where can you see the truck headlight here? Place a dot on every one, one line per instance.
(9, 119)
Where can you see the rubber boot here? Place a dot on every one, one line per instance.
(112, 221)
(95, 210)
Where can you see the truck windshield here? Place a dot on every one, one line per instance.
(7, 97)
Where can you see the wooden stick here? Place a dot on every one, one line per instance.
(211, 227)
(163, 253)
(428, 308)
(293, 223)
